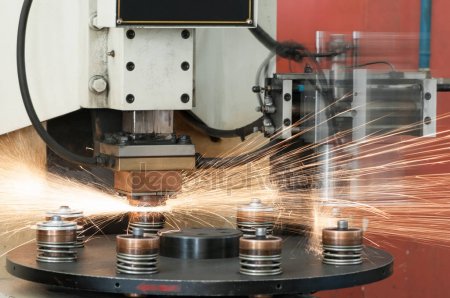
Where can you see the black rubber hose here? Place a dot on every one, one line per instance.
(290, 50)
(24, 90)
(241, 132)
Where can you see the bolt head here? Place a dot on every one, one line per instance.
(98, 84)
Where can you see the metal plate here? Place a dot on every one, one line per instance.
(186, 12)
(303, 272)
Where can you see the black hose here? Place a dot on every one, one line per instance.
(290, 50)
(241, 132)
(24, 90)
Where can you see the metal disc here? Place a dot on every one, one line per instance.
(95, 270)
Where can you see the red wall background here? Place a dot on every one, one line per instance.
(420, 270)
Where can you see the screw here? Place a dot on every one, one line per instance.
(119, 21)
(184, 139)
(185, 34)
(249, 21)
(428, 96)
(185, 66)
(185, 98)
(131, 34)
(98, 84)
(111, 53)
(287, 122)
(130, 98)
(287, 97)
(427, 120)
(130, 66)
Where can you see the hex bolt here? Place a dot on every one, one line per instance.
(93, 23)
(130, 34)
(287, 122)
(185, 34)
(185, 98)
(130, 98)
(130, 66)
(98, 84)
(428, 96)
(287, 97)
(185, 66)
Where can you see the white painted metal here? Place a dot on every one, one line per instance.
(157, 81)
(64, 53)
(106, 10)
(226, 62)
(57, 61)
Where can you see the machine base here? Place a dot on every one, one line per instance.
(303, 272)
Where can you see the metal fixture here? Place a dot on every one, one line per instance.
(261, 254)
(303, 273)
(255, 215)
(68, 214)
(200, 243)
(137, 253)
(149, 222)
(342, 245)
(56, 240)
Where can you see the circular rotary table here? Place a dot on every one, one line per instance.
(95, 270)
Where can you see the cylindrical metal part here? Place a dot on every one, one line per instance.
(56, 241)
(260, 255)
(150, 222)
(342, 245)
(68, 214)
(255, 215)
(137, 253)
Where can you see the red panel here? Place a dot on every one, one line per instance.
(420, 270)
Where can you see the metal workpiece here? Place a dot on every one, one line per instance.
(255, 215)
(137, 253)
(162, 150)
(138, 185)
(146, 122)
(303, 272)
(261, 254)
(200, 243)
(68, 214)
(56, 240)
(342, 245)
(149, 222)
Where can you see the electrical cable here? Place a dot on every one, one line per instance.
(374, 63)
(290, 50)
(241, 132)
(28, 103)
